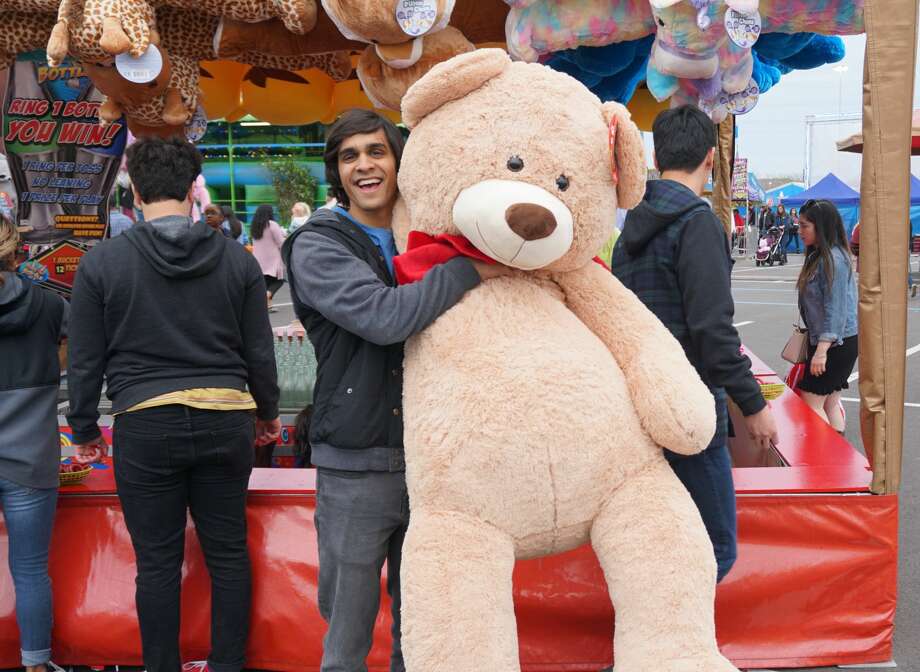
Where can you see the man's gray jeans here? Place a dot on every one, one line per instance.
(361, 520)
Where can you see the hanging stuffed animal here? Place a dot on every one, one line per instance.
(695, 58)
(405, 42)
(23, 31)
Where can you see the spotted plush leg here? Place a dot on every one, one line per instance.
(298, 16)
(59, 41)
(137, 19)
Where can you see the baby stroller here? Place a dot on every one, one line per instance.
(769, 248)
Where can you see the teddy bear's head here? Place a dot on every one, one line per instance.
(689, 35)
(388, 22)
(522, 160)
(386, 85)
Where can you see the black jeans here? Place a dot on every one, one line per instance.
(169, 460)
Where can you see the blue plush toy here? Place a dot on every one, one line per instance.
(614, 71)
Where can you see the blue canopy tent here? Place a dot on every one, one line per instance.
(784, 192)
(831, 188)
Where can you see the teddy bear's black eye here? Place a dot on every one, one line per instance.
(562, 182)
(515, 164)
(661, 22)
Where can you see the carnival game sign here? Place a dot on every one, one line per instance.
(740, 180)
(63, 163)
(60, 263)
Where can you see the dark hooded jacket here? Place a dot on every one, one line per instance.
(32, 323)
(674, 254)
(166, 308)
(357, 320)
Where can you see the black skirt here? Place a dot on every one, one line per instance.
(840, 362)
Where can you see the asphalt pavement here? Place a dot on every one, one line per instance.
(765, 309)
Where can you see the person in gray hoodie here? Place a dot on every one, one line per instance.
(32, 325)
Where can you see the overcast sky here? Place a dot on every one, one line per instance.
(772, 136)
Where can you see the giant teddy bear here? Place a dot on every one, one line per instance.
(536, 409)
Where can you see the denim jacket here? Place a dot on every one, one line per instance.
(830, 313)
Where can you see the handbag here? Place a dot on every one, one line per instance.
(796, 349)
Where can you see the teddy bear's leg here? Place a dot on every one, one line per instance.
(457, 609)
(661, 573)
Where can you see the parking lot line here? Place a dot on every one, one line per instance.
(852, 399)
(743, 324)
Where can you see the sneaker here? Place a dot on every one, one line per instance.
(195, 666)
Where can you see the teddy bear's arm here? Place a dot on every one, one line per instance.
(674, 406)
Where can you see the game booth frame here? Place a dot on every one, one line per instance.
(815, 582)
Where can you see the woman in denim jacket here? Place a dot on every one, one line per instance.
(827, 303)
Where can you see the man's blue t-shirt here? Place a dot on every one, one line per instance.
(383, 238)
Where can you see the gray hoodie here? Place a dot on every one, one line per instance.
(32, 324)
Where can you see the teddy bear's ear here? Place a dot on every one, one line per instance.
(451, 80)
(627, 155)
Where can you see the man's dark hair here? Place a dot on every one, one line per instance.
(683, 137)
(163, 169)
(356, 122)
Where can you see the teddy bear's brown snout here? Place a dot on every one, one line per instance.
(530, 221)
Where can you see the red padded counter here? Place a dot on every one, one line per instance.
(815, 582)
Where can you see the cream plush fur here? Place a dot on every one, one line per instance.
(536, 408)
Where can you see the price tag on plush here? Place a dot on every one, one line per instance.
(416, 17)
(742, 29)
(140, 70)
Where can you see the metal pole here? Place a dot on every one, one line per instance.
(809, 120)
(230, 161)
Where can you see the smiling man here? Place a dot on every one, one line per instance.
(340, 265)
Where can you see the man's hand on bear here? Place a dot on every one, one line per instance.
(489, 271)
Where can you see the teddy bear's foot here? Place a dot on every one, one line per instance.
(711, 663)
(457, 607)
(661, 572)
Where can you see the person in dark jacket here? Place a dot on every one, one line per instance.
(674, 255)
(172, 313)
(766, 220)
(783, 220)
(340, 267)
(33, 322)
(794, 231)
